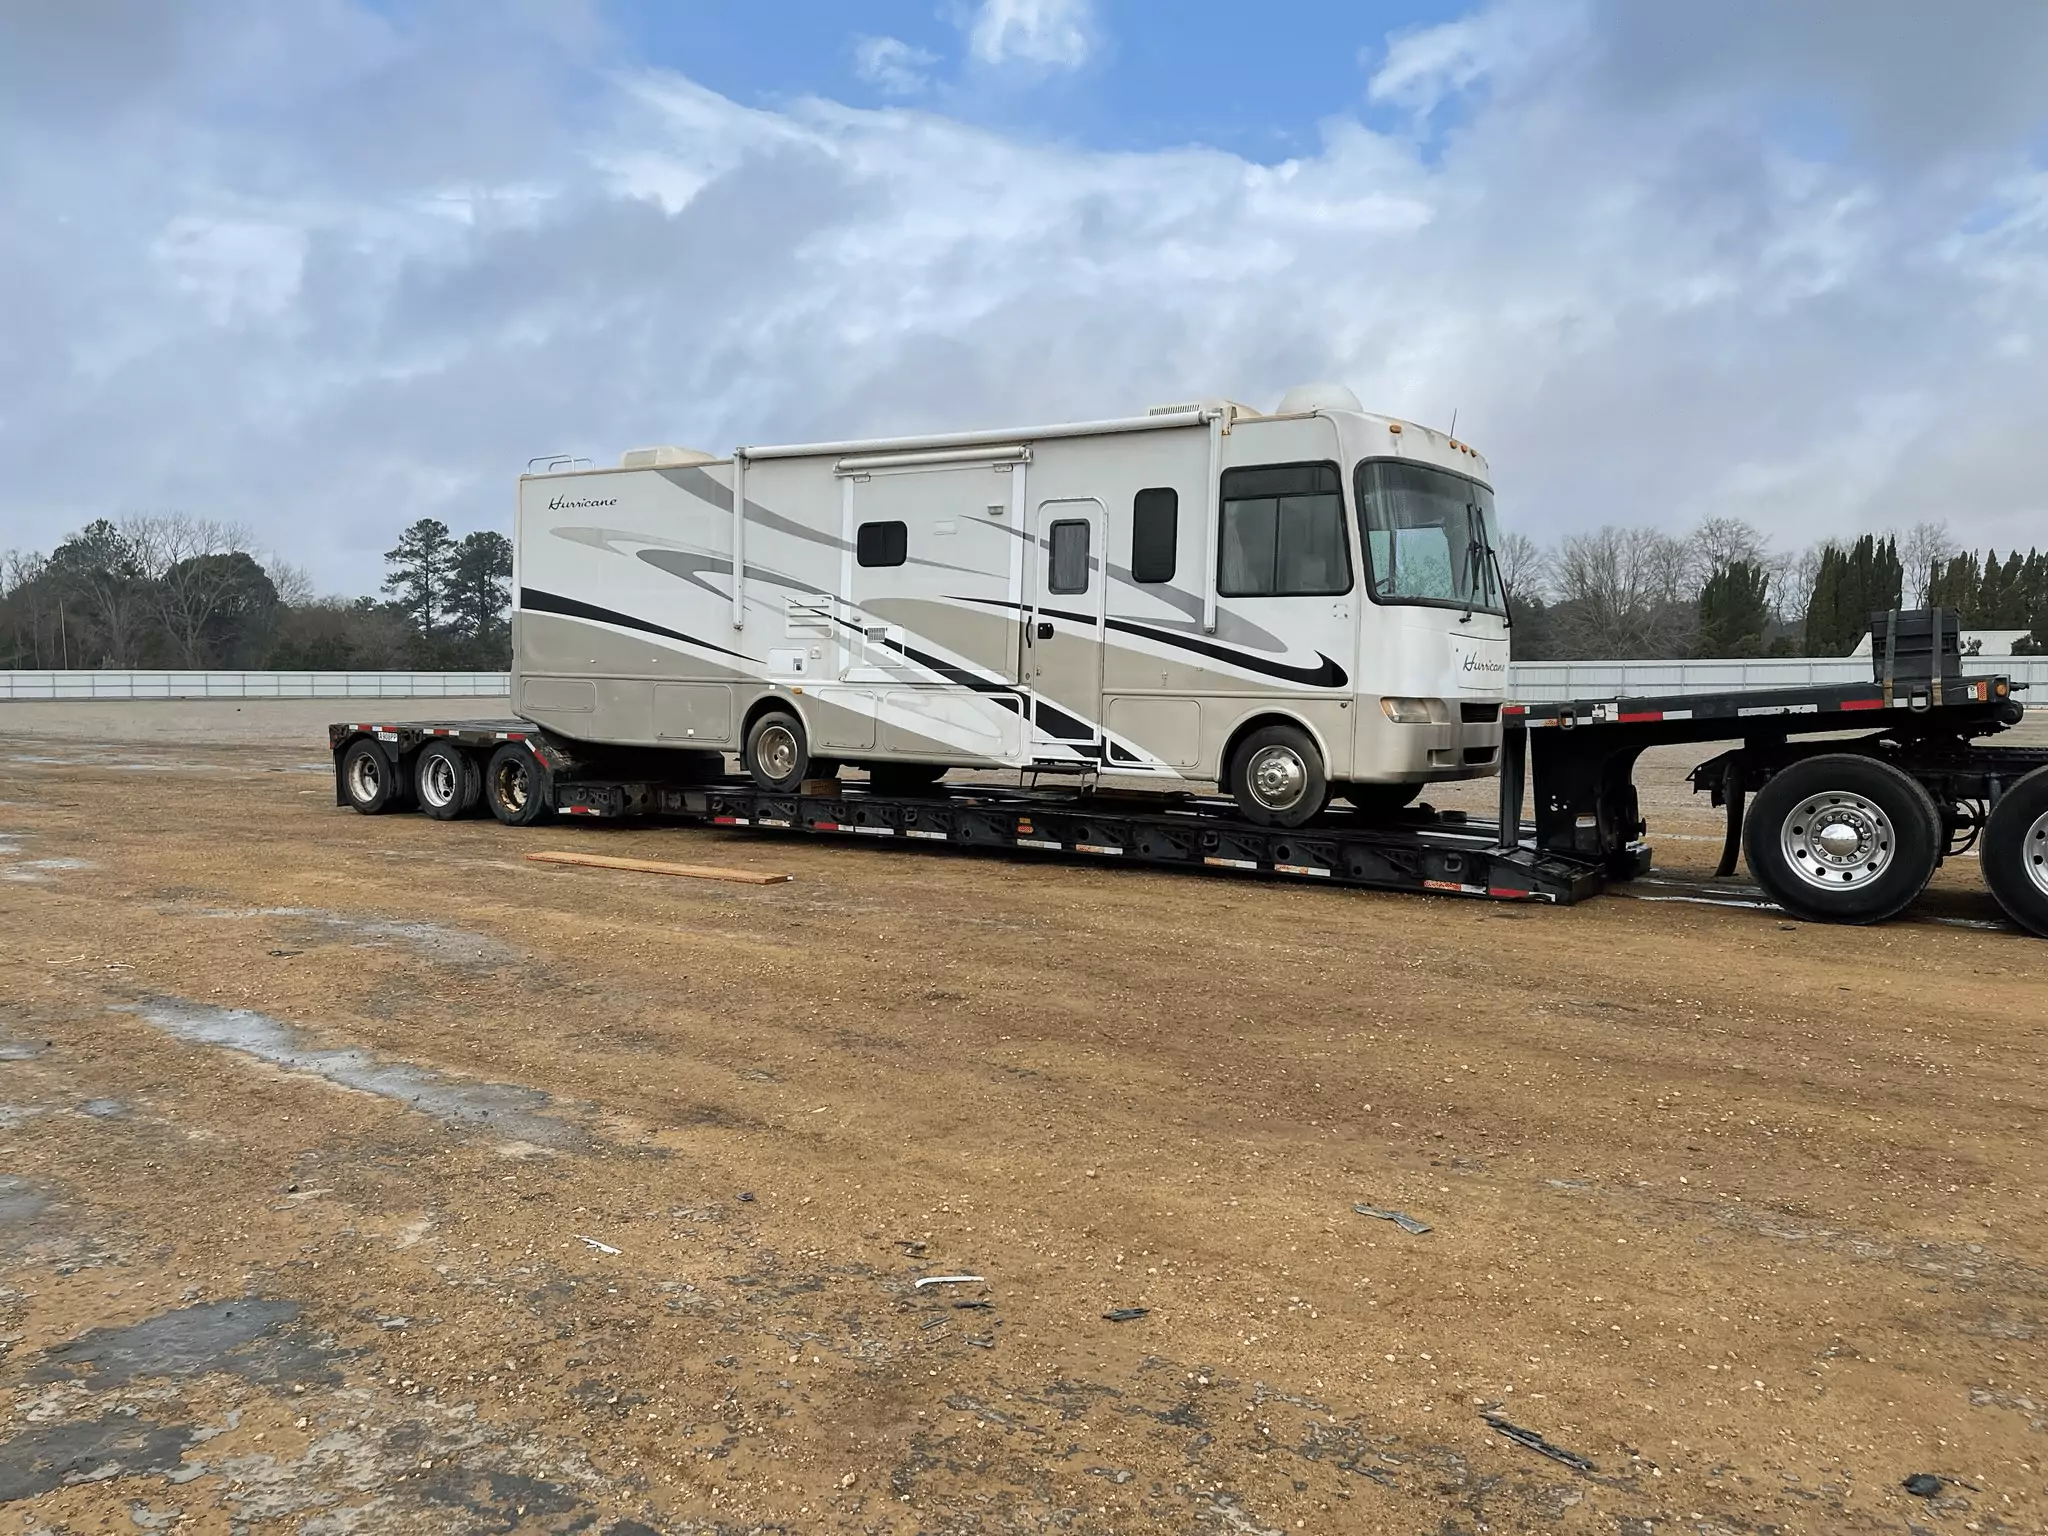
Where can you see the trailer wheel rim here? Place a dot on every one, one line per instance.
(1837, 840)
(511, 785)
(775, 749)
(2034, 853)
(437, 780)
(1277, 777)
(365, 778)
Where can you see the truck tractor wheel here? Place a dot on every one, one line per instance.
(777, 754)
(1379, 799)
(514, 787)
(2014, 852)
(446, 781)
(1842, 839)
(904, 778)
(1277, 777)
(369, 778)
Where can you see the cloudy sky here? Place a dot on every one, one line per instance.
(327, 266)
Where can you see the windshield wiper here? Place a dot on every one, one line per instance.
(1475, 552)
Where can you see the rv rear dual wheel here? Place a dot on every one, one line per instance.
(1843, 838)
(2014, 852)
(777, 752)
(1277, 777)
(447, 781)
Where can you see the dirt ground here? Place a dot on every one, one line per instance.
(358, 1176)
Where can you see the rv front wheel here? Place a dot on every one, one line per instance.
(777, 754)
(1277, 777)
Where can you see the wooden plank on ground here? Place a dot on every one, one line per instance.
(653, 867)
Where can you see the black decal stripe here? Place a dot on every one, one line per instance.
(533, 600)
(1328, 675)
(1058, 723)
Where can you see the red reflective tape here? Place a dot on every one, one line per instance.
(1506, 893)
(1514, 709)
(1648, 714)
(725, 821)
(1863, 704)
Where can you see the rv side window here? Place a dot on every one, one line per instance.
(1283, 533)
(1067, 557)
(1155, 533)
(882, 543)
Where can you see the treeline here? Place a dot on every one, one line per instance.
(1636, 594)
(182, 592)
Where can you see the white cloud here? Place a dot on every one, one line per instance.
(355, 302)
(1056, 34)
(1425, 66)
(892, 66)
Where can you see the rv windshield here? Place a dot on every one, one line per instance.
(1428, 536)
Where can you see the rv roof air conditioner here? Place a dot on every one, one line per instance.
(664, 457)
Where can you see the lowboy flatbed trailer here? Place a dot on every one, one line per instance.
(1835, 830)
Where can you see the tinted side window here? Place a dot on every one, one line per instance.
(882, 543)
(1283, 533)
(1155, 533)
(1067, 557)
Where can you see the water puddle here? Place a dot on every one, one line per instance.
(38, 871)
(514, 1113)
(454, 946)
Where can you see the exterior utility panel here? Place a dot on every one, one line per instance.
(1134, 597)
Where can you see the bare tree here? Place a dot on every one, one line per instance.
(194, 579)
(1524, 565)
(1720, 542)
(294, 585)
(1922, 549)
(1792, 580)
(1622, 593)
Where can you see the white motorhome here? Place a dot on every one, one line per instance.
(1293, 604)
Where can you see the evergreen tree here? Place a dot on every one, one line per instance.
(1956, 585)
(480, 595)
(1735, 609)
(1853, 584)
(422, 569)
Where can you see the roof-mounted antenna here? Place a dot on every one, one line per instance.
(1454, 423)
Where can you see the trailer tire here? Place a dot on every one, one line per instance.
(514, 786)
(1379, 799)
(1842, 838)
(446, 781)
(904, 778)
(777, 754)
(2014, 852)
(369, 778)
(1277, 777)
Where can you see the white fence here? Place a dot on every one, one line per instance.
(253, 685)
(1547, 682)
(1535, 682)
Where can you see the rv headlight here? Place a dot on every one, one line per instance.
(1407, 711)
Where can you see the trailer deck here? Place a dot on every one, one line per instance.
(1575, 760)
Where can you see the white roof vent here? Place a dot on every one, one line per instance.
(664, 457)
(1304, 398)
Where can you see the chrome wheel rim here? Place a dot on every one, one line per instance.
(365, 778)
(776, 751)
(1277, 777)
(437, 780)
(2034, 853)
(1838, 841)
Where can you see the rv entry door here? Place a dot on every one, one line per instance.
(1067, 590)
